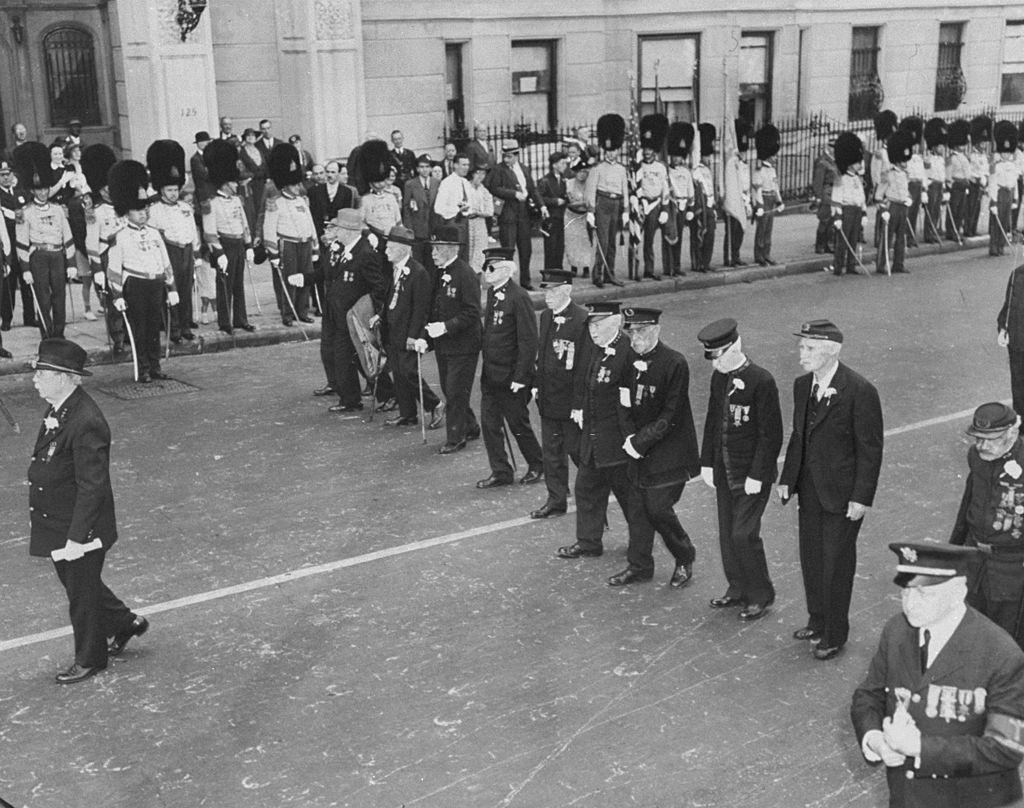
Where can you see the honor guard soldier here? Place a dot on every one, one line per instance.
(737, 170)
(1002, 188)
(653, 185)
(991, 516)
(663, 447)
(917, 175)
(705, 203)
(100, 225)
(895, 202)
(600, 416)
(981, 136)
(563, 338)
(824, 176)
(848, 205)
(942, 705)
(380, 209)
(958, 176)
(678, 143)
(742, 439)
(176, 223)
(227, 235)
(455, 332)
(46, 249)
(1010, 333)
(767, 199)
(885, 128)
(607, 198)
(289, 235)
(139, 269)
(832, 463)
(935, 134)
(509, 352)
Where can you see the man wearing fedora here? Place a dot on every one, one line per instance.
(991, 516)
(512, 183)
(71, 508)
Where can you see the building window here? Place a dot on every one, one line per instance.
(668, 75)
(866, 94)
(70, 59)
(534, 83)
(756, 77)
(950, 84)
(455, 102)
(1013, 63)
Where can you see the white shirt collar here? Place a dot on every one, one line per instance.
(825, 381)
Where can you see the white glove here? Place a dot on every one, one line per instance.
(517, 386)
(707, 474)
(1003, 338)
(689, 216)
(275, 263)
(992, 209)
(590, 220)
(296, 280)
(374, 319)
(119, 304)
(420, 346)
(100, 279)
(435, 330)
(250, 256)
(72, 551)
(576, 416)
(198, 264)
(27, 277)
(72, 273)
(924, 197)
(837, 224)
(533, 393)
(222, 262)
(783, 492)
(780, 207)
(945, 196)
(625, 218)
(886, 215)
(863, 222)
(663, 217)
(627, 446)
(413, 206)
(759, 213)
(372, 240)
(751, 486)
(172, 299)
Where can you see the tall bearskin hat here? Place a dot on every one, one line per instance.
(31, 164)
(959, 132)
(165, 160)
(767, 140)
(653, 129)
(981, 129)
(283, 165)
(128, 184)
(375, 160)
(914, 125)
(743, 132)
(96, 162)
(679, 139)
(849, 150)
(708, 136)
(935, 133)
(1005, 135)
(611, 131)
(900, 147)
(885, 124)
(221, 159)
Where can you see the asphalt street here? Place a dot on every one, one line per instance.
(339, 618)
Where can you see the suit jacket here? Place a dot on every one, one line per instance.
(743, 427)
(658, 401)
(560, 358)
(265, 147)
(408, 305)
(360, 274)
(70, 497)
(457, 305)
(11, 201)
(502, 184)
(551, 190)
(989, 509)
(201, 178)
(969, 700)
(324, 208)
(1011, 315)
(510, 337)
(842, 447)
(598, 392)
(420, 220)
(478, 155)
(405, 163)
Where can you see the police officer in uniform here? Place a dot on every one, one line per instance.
(599, 415)
(563, 337)
(942, 705)
(101, 222)
(663, 447)
(742, 439)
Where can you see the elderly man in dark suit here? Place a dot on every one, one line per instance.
(477, 150)
(71, 506)
(418, 208)
(511, 182)
(200, 173)
(832, 463)
(553, 193)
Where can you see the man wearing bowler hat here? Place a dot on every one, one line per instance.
(71, 508)
(832, 463)
(942, 705)
(991, 516)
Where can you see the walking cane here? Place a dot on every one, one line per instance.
(39, 312)
(17, 428)
(935, 230)
(167, 328)
(252, 283)
(856, 257)
(286, 293)
(423, 412)
(956, 230)
(71, 297)
(131, 341)
(600, 250)
(885, 246)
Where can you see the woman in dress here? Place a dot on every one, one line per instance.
(579, 251)
(253, 179)
(481, 208)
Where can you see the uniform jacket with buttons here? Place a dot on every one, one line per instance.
(408, 304)
(563, 338)
(989, 506)
(510, 337)
(598, 392)
(70, 497)
(457, 305)
(968, 705)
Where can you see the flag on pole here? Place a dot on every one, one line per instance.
(631, 161)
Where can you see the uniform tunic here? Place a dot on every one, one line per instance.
(100, 227)
(381, 211)
(13, 200)
(766, 199)
(849, 208)
(1002, 195)
(176, 223)
(226, 231)
(607, 192)
(680, 183)
(896, 200)
(823, 179)
(935, 170)
(46, 249)
(289, 235)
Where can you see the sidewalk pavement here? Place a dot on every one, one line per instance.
(792, 248)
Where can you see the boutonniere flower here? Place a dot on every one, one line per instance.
(559, 320)
(737, 384)
(52, 423)
(499, 295)
(827, 395)
(404, 272)
(446, 278)
(1012, 467)
(609, 351)
(640, 365)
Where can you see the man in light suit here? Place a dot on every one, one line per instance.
(832, 463)
(418, 209)
(512, 183)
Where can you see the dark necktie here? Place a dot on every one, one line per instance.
(814, 392)
(924, 650)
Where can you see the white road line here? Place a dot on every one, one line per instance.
(390, 552)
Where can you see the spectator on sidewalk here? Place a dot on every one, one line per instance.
(824, 176)
(479, 212)
(513, 185)
(452, 202)
(553, 194)
(418, 198)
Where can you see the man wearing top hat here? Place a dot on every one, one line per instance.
(511, 182)
(832, 463)
(607, 198)
(563, 338)
(509, 353)
(71, 505)
(598, 414)
(991, 516)
(662, 445)
(742, 439)
(942, 705)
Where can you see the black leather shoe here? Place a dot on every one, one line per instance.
(188, 335)
(452, 448)
(386, 406)
(627, 576)
(615, 282)
(307, 319)
(739, 263)
(436, 416)
(578, 551)
(806, 633)
(346, 407)
(158, 374)
(247, 327)
(546, 510)
(326, 390)
(753, 612)
(176, 340)
(681, 575)
(532, 476)
(228, 331)
(827, 652)
(494, 482)
(287, 323)
(725, 601)
(599, 284)
(77, 673)
(402, 420)
(139, 626)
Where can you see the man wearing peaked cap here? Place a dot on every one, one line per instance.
(653, 191)
(832, 463)
(512, 182)
(662, 445)
(100, 227)
(607, 198)
(1002, 188)
(942, 705)
(991, 516)
(742, 439)
(680, 188)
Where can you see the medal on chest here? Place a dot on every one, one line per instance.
(565, 350)
(497, 317)
(739, 414)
